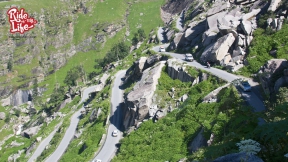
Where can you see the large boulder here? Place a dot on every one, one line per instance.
(212, 20)
(246, 26)
(218, 7)
(217, 51)
(228, 21)
(28, 133)
(269, 74)
(251, 14)
(2, 115)
(274, 5)
(238, 51)
(196, 29)
(238, 157)
(178, 41)
(209, 37)
(198, 142)
(176, 70)
(138, 101)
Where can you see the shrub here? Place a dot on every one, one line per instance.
(249, 146)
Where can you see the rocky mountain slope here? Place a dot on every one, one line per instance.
(221, 31)
(56, 38)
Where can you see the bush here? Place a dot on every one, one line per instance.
(73, 74)
(138, 37)
(118, 52)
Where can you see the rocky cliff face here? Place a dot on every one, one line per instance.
(49, 45)
(222, 30)
(177, 70)
(20, 97)
(273, 75)
(139, 100)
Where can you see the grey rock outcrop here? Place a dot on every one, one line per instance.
(238, 157)
(136, 70)
(212, 96)
(102, 82)
(195, 29)
(20, 97)
(95, 114)
(209, 37)
(246, 27)
(2, 115)
(176, 70)
(139, 100)
(274, 67)
(217, 51)
(218, 7)
(198, 142)
(178, 41)
(274, 5)
(31, 131)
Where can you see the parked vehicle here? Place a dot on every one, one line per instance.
(162, 49)
(189, 57)
(245, 86)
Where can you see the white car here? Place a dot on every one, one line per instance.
(162, 49)
(115, 133)
(97, 160)
(189, 57)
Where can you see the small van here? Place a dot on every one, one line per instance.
(189, 57)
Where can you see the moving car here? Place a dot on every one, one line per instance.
(161, 49)
(97, 160)
(189, 57)
(245, 86)
(115, 133)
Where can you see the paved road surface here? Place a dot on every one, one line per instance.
(43, 144)
(109, 148)
(69, 134)
(250, 97)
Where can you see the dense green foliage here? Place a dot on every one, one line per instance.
(138, 37)
(260, 47)
(73, 74)
(92, 131)
(56, 98)
(118, 52)
(169, 138)
(10, 65)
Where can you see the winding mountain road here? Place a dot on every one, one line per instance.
(43, 144)
(109, 148)
(251, 97)
(69, 134)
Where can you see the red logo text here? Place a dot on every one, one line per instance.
(20, 20)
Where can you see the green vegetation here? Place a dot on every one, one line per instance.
(138, 37)
(73, 74)
(172, 133)
(156, 141)
(192, 71)
(144, 15)
(174, 27)
(84, 147)
(118, 52)
(10, 65)
(260, 47)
